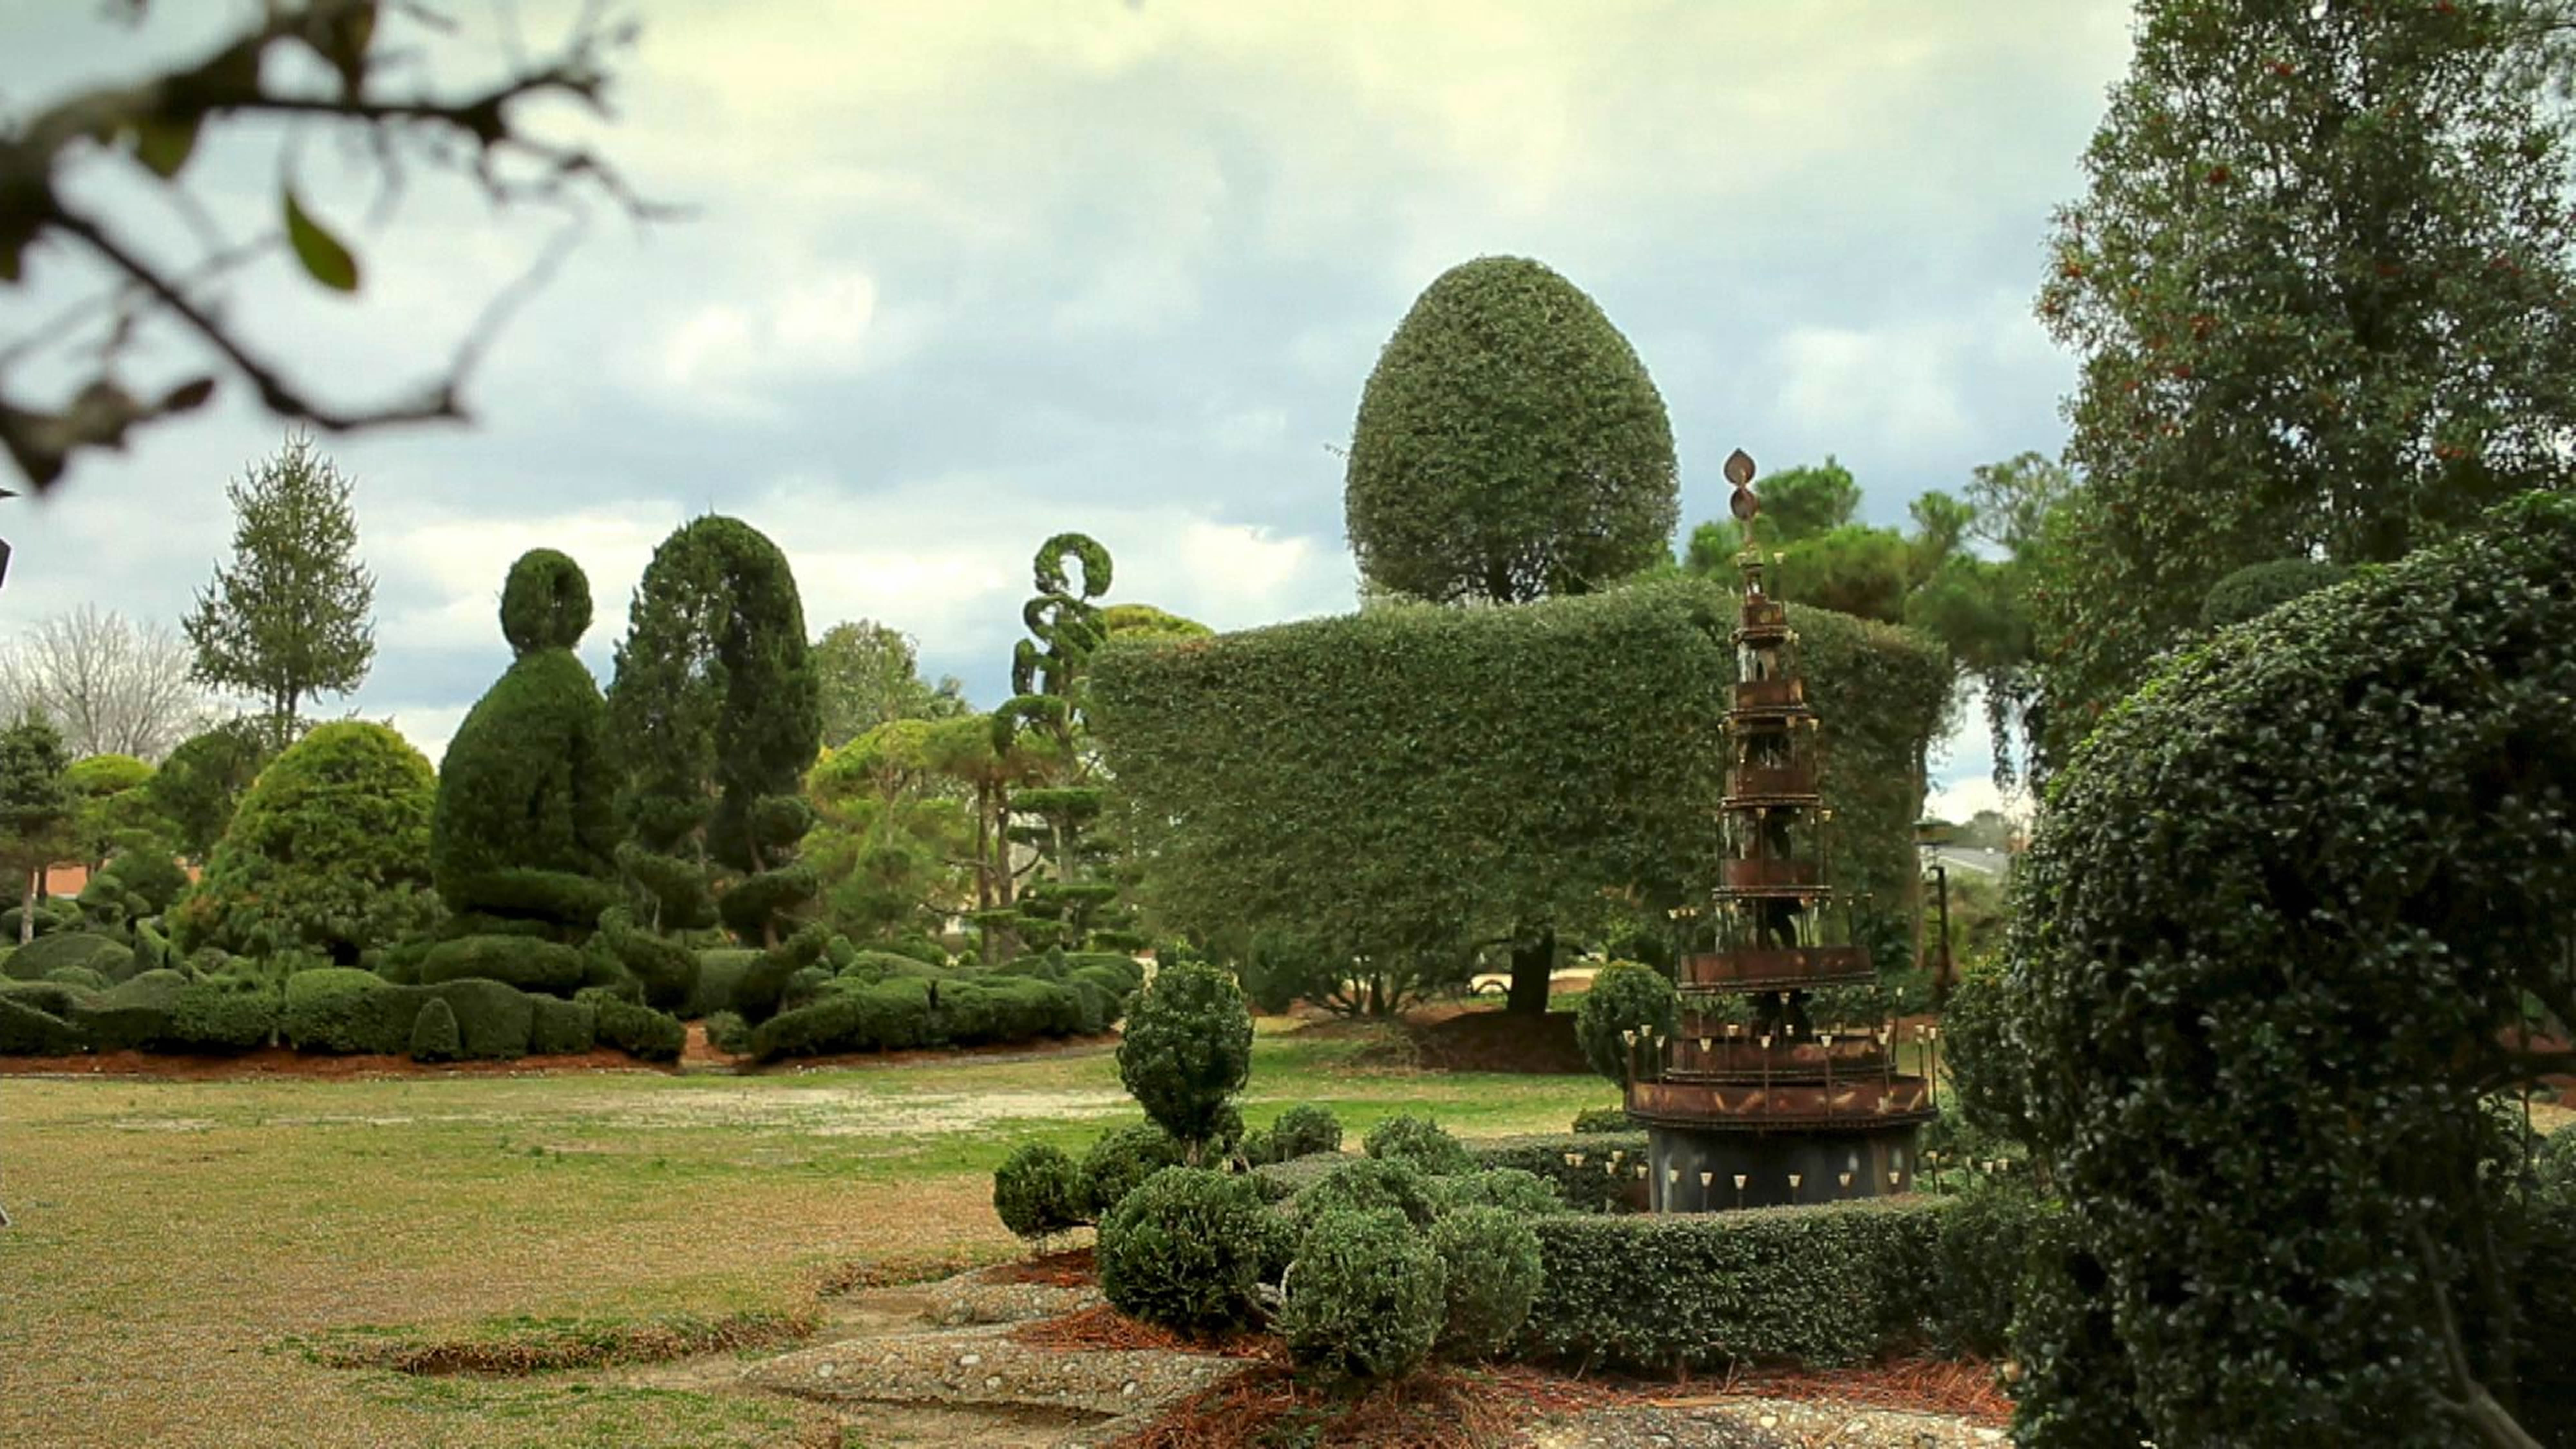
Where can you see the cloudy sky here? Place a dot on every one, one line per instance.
(957, 277)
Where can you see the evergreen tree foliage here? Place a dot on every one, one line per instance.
(115, 806)
(289, 619)
(869, 675)
(714, 717)
(329, 852)
(37, 809)
(526, 825)
(195, 790)
(1509, 445)
(2320, 286)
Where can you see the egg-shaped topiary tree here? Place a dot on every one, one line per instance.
(329, 851)
(525, 827)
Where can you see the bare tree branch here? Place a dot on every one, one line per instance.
(113, 686)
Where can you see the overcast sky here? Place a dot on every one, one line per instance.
(961, 276)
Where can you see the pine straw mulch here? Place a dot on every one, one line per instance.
(1072, 1268)
(903, 1269)
(1101, 1328)
(1961, 1388)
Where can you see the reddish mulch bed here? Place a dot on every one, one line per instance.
(1103, 1328)
(1072, 1268)
(1436, 1409)
(1496, 1041)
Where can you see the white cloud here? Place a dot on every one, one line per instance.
(1961, 799)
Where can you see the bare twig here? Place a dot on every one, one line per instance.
(2490, 1419)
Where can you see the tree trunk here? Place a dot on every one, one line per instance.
(1532, 962)
(27, 908)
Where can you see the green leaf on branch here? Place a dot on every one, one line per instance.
(325, 259)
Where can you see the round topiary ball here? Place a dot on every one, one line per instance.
(1037, 1192)
(546, 602)
(434, 1033)
(1187, 1048)
(1186, 1250)
(1364, 1299)
(1122, 1159)
(1493, 1276)
(1625, 996)
(1420, 1141)
(1304, 1130)
(1369, 1184)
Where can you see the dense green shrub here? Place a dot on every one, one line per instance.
(636, 1029)
(494, 1022)
(665, 972)
(28, 1030)
(1187, 1048)
(1304, 1130)
(1038, 1192)
(198, 787)
(1626, 998)
(1509, 445)
(89, 950)
(1419, 1141)
(343, 1009)
(1820, 1285)
(1492, 1259)
(329, 850)
(79, 977)
(1598, 1183)
(131, 1015)
(1185, 1250)
(2311, 876)
(1287, 1178)
(561, 1028)
(2258, 589)
(1123, 1157)
(434, 1034)
(222, 1014)
(151, 875)
(1510, 1188)
(1604, 1119)
(889, 1016)
(2553, 1162)
(1368, 1184)
(1364, 1299)
(719, 976)
(1351, 781)
(525, 962)
(1985, 1239)
(728, 1032)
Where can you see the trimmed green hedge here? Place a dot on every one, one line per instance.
(342, 1009)
(1818, 1285)
(525, 962)
(106, 955)
(899, 1013)
(1595, 1186)
(636, 1029)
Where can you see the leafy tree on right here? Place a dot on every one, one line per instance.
(2320, 284)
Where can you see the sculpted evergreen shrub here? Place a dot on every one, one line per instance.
(1187, 1048)
(1509, 445)
(197, 789)
(328, 851)
(1604, 1119)
(1492, 1277)
(1598, 1182)
(2268, 961)
(636, 1029)
(1370, 1184)
(1185, 1250)
(1356, 784)
(2258, 589)
(1364, 1299)
(1625, 997)
(1304, 1130)
(343, 1009)
(28, 1030)
(1038, 1192)
(1123, 1157)
(1418, 1141)
(87, 950)
(525, 962)
(434, 1035)
(525, 826)
(561, 1028)
(1510, 1188)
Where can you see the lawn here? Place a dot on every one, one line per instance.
(189, 1255)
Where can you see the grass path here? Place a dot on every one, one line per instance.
(176, 1241)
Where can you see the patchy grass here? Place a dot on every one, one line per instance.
(179, 1244)
(513, 1345)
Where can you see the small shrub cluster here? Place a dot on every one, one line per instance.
(1598, 1182)
(1188, 1249)
(1187, 1048)
(1419, 1141)
(1365, 1297)
(1038, 1192)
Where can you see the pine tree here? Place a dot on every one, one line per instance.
(289, 619)
(36, 808)
(2320, 284)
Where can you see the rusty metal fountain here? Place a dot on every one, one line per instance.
(1764, 1094)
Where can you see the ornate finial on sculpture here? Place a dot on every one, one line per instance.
(1739, 471)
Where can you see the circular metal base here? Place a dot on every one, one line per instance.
(1695, 1171)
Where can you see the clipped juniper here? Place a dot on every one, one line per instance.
(1187, 1050)
(713, 718)
(525, 828)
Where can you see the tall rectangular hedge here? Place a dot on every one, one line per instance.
(1407, 778)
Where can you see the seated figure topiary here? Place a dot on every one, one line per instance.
(1493, 1276)
(1364, 1299)
(523, 828)
(1038, 1192)
(1187, 1250)
(1419, 1141)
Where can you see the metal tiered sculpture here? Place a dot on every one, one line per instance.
(1755, 1101)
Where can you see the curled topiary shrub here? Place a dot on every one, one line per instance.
(637, 1030)
(1419, 1141)
(1122, 1159)
(28, 1030)
(525, 962)
(1369, 1184)
(1364, 1299)
(1493, 1276)
(1304, 1130)
(1508, 1188)
(561, 1028)
(1038, 1192)
(1625, 996)
(1185, 1251)
(1187, 1048)
(110, 958)
(434, 1036)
